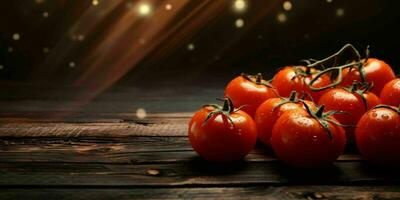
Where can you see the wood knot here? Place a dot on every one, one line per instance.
(153, 172)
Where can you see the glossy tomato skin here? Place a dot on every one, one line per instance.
(340, 99)
(299, 140)
(390, 94)
(285, 83)
(378, 136)
(217, 140)
(376, 71)
(248, 94)
(269, 112)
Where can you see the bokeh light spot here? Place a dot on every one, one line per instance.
(45, 14)
(239, 23)
(240, 5)
(71, 64)
(10, 49)
(340, 12)
(287, 5)
(190, 47)
(168, 7)
(1, 67)
(144, 9)
(16, 36)
(281, 17)
(95, 2)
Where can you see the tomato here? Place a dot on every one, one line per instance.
(304, 138)
(222, 134)
(390, 94)
(376, 71)
(271, 110)
(378, 135)
(350, 101)
(249, 91)
(297, 78)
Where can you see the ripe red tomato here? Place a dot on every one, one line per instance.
(307, 139)
(222, 134)
(249, 91)
(376, 71)
(390, 94)
(297, 78)
(378, 135)
(351, 102)
(271, 110)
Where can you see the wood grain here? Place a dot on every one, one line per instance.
(194, 173)
(253, 192)
(115, 150)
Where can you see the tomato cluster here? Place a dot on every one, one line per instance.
(306, 114)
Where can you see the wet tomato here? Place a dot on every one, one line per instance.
(271, 110)
(376, 71)
(249, 91)
(222, 134)
(378, 135)
(297, 78)
(354, 102)
(390, 94)
(308, 138)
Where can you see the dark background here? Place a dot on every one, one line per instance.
(53, 59)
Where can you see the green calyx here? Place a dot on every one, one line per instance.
(293, 98)
(257, 79)
(360, 88)
(324, 118)
(226, 109)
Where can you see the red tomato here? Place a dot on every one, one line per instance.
(378, 135)
(249, 91)
(271, 110)
(222, 134)
(297, 78)
(390, 94)
(307, 139)
(376, 71)
(351, 103)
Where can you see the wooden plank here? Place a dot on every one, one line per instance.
(194, 173)
(258, 192)
(114, 150)
(117, 129)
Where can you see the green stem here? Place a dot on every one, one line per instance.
(259, 78)
(320, 111)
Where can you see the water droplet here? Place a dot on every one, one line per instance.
(232, 127)
(374, 114)
(314, 138)
(385, 116)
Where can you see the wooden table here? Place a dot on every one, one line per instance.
(104, 153)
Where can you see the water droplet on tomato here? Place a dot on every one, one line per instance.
(314, 138)
(374, 114)
(385, 116)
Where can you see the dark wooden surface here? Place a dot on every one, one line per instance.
(116, 155)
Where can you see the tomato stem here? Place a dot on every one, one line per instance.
(320, 111)
(259, 78)
(228, 105)
(293, 96)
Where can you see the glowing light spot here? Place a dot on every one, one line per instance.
(287, 5)
(45, 14)
(168, 7)
(1, 67)
(239, 5)
(16, 36)
(340, 12)
(190, 47)
(95, 2)
(10, 49)
(281, 17)
(71, 64)
(144, 9)
(239, 23)
(39, 1)
(329, 1)
(141, 113)
(46, 50)
(80, 37)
